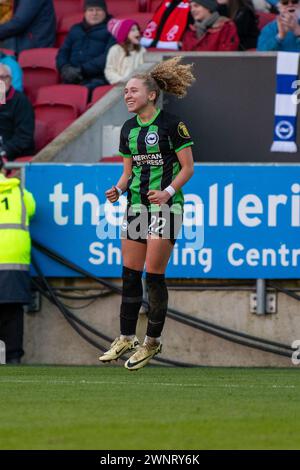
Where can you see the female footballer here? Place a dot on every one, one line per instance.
(158, 161)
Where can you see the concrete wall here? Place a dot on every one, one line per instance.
(50, 339)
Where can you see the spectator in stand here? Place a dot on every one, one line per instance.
(282, 34)
(16, 120)
(242, 13)
(209, 31)
(6, 10)
(82, 57)
(126, 56)
(16, 70)
(33, 25)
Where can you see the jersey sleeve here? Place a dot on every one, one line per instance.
(180, 136)
(124, 150)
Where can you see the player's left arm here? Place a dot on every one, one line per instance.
(185, 157)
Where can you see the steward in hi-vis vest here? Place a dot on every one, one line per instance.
(17, 206)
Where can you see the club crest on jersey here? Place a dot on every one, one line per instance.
(151, 138)
(182, 131)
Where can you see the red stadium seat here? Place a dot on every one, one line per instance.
(116, 159)
(56, 128)
(264, 18)
(39, 69)
(141, 18)
(124, 8)
(13, 173)
(60, 102)
(41, 135)
(99, 92)
(153, 4)
(7, 51)
(67, 7)
(143, 5)
(26, 158)
(52, 112)
(65, 25)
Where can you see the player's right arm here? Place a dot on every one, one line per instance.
(115, 192)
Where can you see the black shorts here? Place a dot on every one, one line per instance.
(137, 226)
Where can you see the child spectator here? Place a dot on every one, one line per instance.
(210, 31)
(82, 57)
(242, 13)
(126, 56)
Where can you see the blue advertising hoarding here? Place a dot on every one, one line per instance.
(240, 221)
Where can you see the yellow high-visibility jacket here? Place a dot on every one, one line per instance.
(17, 206)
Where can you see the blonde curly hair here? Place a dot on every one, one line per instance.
(169, 76)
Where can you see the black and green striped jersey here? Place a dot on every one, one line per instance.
(152, 147)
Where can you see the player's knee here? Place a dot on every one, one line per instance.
(132, 285)
(157, 291)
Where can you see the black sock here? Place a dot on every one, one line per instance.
(158, 303)
(132, 296)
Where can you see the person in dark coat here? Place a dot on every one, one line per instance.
(17, 206)
(16, 120)
(33, 25)
(243, 14)
(82, 57)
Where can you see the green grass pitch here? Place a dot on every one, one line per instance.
(156, 408)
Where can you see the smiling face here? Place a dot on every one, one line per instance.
(198, 12)
(137, 96)
(134, 35)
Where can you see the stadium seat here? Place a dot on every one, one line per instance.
(264, 18)
(57, 127)
(60, 102)
(7, 51)
(153, 4)
(124, 8)
(26, 158)
(143, 5)
(99, 92)
(65, 25)
(141, 18)
(41, 135)
(67, 7)
(13, 173)
(39, 69)
(115, 159)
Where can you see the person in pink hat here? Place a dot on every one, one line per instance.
(127, 55)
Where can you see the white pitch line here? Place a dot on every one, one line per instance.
(102, 382)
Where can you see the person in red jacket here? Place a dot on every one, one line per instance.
(210, 31)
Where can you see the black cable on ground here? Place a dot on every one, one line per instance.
(223, 332)
(284, 290)
(51, 296)
(233, 339)
(80, 297)
(176, 313)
